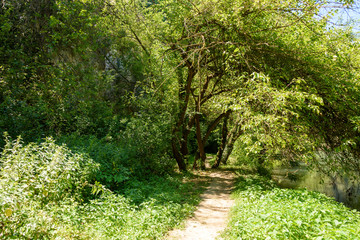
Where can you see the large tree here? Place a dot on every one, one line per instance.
(273, 74)
(276, 64)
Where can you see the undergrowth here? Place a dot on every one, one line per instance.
(264, 211)
(48, 191)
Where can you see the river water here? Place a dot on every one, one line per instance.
(340, 188)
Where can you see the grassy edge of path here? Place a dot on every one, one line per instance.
(145, 209)
(264, 211)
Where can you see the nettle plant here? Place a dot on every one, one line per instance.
(36, 176)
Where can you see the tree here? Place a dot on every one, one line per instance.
(273, 73)
(279, 57)
(46, 84)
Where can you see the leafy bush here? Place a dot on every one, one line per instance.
(162, 188)
(147, 138)
(35, 176)
(45, 194)
(114, 161)
(139, 148)
(264, 211)
(46, 86)
(18, 117)
(158, 208)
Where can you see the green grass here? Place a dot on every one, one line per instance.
(264, 211)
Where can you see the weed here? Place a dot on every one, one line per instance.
(51, 192)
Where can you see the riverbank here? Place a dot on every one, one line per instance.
(264, 211)
(338, 187)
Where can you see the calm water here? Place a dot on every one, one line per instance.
(339, 188)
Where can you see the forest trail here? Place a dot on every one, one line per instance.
(211, 216)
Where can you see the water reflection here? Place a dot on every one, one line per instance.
(340, 188)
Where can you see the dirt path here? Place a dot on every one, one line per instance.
(211, 216)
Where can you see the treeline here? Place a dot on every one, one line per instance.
(168, 79)
(67, 69)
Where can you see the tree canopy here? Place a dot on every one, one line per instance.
(273, 75)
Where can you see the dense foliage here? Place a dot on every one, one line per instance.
(276, 76)
(264, 211)
(109, 96)
(46, 84)
(48, 192)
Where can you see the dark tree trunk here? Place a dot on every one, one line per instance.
(214, 123)
(224, 133)
(177, 155)
(185, 135)
(211, 127)
(175, 144)
(200, 142)
(196, 158)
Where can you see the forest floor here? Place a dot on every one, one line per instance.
(211, 216)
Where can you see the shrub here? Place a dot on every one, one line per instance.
(46, 194)
(147, 139)
(114, 160)
(158, 207)
(36, 176)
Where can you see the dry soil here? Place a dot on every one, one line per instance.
(211, 216)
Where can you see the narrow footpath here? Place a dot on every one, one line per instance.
(211, 216)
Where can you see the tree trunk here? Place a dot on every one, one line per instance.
(200, 142)
(196, 158)
(181, 119)
(177, 155)
(211, 127)
(224, 133)
(185, 135)
(234, 134)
